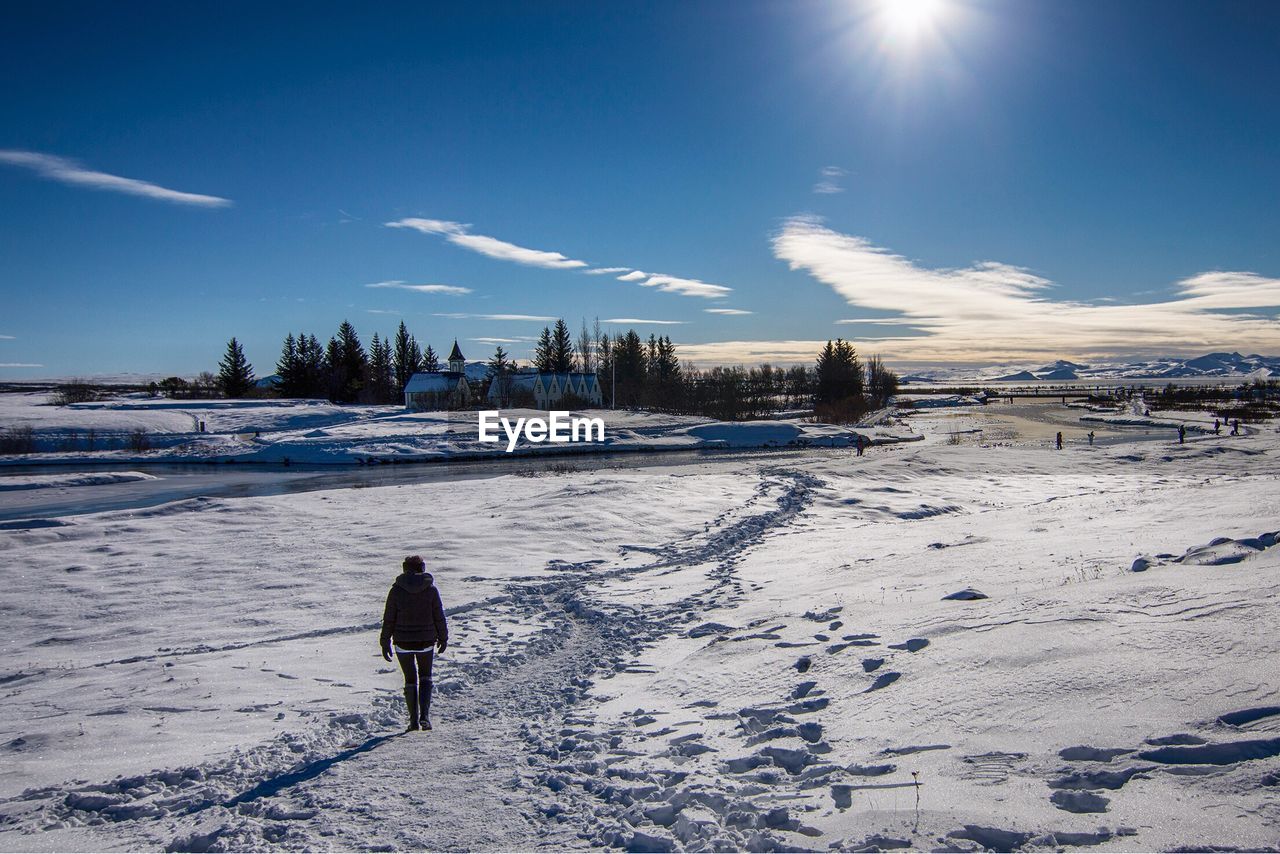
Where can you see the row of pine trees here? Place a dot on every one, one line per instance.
(632, 372)
(344, 372)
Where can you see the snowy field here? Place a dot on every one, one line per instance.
(968, 642)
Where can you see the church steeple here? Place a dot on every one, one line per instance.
(457, 363)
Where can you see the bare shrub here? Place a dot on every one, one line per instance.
(139, 441)
(18, 440)
(76, 391)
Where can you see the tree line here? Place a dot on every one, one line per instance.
(632, 373)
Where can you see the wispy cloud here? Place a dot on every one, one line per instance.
(539, 318)
(676, 285)
(459, 234)
(728, 311)
(830, 182)
(382, 311)
(502, 340)
(991, 311)
(19, 365)
(639, 321)
(70, 172)
(7, 337)
(455, 290)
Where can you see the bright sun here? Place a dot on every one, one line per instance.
(906, 19)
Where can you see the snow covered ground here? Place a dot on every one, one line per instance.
(946, 644)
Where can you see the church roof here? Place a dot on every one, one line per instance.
(456, 354)
(439, 381)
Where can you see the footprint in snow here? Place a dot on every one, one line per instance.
(884, 680)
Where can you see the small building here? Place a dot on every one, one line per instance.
(544, 390)
(432, 390)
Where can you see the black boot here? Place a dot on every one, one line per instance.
(424, 704)
(411, 700)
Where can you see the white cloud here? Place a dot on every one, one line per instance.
(502, 340)
(460, 316)
(382, 311)
(677, 285)
(19, 365)
(7, 337)
(454, 290)
(645, 322)
(992, 311)
(830, 182)
(69, 172)
(458, 234)
(728, 311)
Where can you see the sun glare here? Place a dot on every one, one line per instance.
(908, 19)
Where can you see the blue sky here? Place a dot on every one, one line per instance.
(989, 181)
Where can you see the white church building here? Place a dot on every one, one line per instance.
(432, 390)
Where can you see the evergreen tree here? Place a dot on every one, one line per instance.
(312, 370)
(839, 382)
(561, 348)
(630, 368)
(334, 381)
(381, 372)
(408, 358)
(542, 353)
(500, 369)
(289, 369)
(235, 374)
(428, 361)
(352, 365)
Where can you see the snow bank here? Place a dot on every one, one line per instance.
(746, 434)
(11, 483)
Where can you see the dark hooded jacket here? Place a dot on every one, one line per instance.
(413, 613)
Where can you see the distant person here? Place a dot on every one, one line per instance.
(1217, 427)
(860, 443)
(1235, 427)
(412, 623)
(1090, 438)
(1059, 440)
(1182, 433)
(1146, 413)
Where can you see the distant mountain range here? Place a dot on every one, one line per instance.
(1210, 365)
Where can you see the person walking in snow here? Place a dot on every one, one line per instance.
(1059, 441)
(1182, 433)
(1235, 427)
(1091, 438)
(412, 623)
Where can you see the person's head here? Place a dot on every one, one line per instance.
(414, 563)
